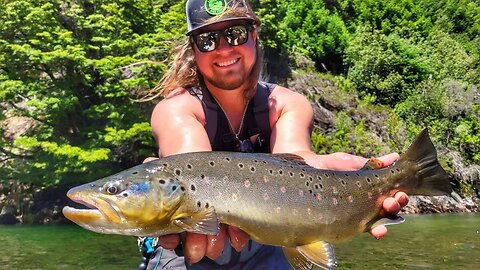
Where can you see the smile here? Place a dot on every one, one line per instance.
(227, 63)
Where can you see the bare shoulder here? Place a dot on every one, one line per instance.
(283, 99)
(177, 104)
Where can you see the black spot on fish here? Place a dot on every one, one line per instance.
(311, 191)
(178, 172)
(376, 176)
(343, 182)
(392, 171)
(199, 204)
(316, 186)
(202, 176)
(310, 179)
(264, 162)
(319, 177)
(397, 169)
(326, 175)
(207, 205)
(321, 186)
(291, 174)
(174, 187)
(161, 181)
(227, 159)
(189, 166)
(369, 180)
(270, 171)
(347, 175)
(241, 166)
(358, 184)
(135, 172)
(357, 174)
(212, 163)
(165, 165)
(256, 161)
(280, 172)
(252, 169)
(125, 194)
(302, 175)
(182, 188)
(193, 188)
(307, 183)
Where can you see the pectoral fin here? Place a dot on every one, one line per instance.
(305, 257)
(205, 222)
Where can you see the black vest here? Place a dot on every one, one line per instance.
(255, 133)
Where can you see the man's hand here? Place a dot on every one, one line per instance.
(344, 162)
(197, 246)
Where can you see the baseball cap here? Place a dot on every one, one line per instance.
(200, 11)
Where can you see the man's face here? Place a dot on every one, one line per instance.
(227, 67)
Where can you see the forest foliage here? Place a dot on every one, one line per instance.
(70, 72)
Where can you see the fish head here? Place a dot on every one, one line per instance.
(134, 202)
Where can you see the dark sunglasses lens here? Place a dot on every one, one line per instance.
(236, 35)
(206, 42)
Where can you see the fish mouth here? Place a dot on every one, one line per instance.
(99, 214)
(82, 215)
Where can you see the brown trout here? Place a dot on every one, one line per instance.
(277, 199)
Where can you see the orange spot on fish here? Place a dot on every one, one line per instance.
(334, 190)
(283, 189)
(246, 183)
(350, 199)
(335, 201)
(300, 193)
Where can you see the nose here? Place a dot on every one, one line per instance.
(223, 44)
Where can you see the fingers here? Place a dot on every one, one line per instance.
(389, 159)
(148, 159)
(391, 206)
(170, 241)
(344, 162)
(215, 244)
(379, 231)
(238, 238)
(195, 247)
(402, 198)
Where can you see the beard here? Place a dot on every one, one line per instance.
(230, 81)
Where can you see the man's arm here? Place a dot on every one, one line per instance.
(292, 116)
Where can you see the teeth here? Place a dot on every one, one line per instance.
(228, 63)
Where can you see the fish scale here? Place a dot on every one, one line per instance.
(277, 199)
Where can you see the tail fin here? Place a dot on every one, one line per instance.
(431, 178)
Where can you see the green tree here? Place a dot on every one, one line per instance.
(73, 68)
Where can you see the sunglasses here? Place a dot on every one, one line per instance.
(234, 35)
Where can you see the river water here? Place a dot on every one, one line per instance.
(422, 242)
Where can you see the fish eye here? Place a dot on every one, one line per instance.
(112, 188)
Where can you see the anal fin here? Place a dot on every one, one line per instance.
(305, 257)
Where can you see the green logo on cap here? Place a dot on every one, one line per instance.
(215, 7)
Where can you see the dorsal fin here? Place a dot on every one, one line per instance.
(291, 157)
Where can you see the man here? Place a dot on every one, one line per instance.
(214, 101)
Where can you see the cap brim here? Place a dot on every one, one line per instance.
(220, 21)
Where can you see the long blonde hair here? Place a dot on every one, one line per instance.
(183, 71)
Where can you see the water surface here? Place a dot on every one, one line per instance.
(422, 242)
